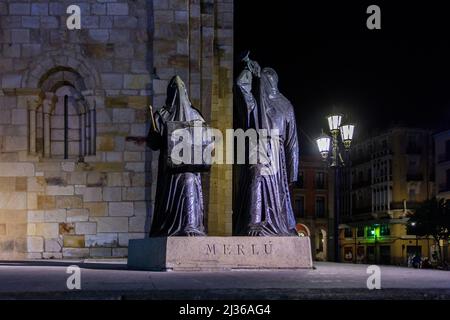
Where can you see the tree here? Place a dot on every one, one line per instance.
(431, 218)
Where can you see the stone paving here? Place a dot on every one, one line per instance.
(100, 280)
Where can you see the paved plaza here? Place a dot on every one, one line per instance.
(112, 280)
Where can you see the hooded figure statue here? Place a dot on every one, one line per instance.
(179, 199)
(263, 200)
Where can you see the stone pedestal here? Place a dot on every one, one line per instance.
(219, 253)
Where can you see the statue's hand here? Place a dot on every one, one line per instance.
(254, 68)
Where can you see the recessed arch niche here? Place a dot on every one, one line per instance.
(65, 118)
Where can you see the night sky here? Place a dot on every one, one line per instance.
(325, 56)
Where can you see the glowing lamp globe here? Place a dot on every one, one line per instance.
(347, 134)
(323, 143)
(334, 122)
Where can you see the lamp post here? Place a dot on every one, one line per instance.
(413, 224)
(374, 233)
(341, 138)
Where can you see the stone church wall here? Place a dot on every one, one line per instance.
(73, 180)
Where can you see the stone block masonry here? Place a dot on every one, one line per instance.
(220, 253)
(86, 194)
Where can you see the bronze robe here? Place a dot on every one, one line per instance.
(179, 200)
(264, 204)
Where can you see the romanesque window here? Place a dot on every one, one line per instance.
(65, 137)
(62, 126)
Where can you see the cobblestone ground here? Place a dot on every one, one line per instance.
(100, 280)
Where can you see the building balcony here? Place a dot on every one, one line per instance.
(361, 184)
(443, 158)
(382, 179)
(413, 150)
(382, 153)
(400, 205)
(360, 159)
(414, 177)
(362, 210)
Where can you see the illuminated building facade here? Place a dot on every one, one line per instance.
(442, 163)
(310, 200)
(391, 174)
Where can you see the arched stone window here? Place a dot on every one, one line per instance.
(63, 125)
(66, 127)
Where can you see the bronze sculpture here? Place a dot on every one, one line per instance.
(179, 199)
(263, 202)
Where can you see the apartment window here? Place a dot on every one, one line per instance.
(412, 194)
(320, 207)
(412, 141)
(360, 176)
(447, 147)
(354, 201)
(370, 232)
(300, 207)
(360, 232)
(300, 180)
(360, 154)
(348, 233)
(385, 230)
(413, 165)
(320, 180)
(360, 196)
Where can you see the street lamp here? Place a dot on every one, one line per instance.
(334, 121)
(413, 224)
(323, 143)
(341, 135)
(347, 134)
(373, 232)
